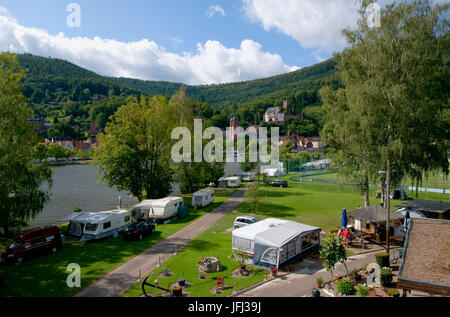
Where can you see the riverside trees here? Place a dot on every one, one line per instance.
(20, 195)
(391, 114)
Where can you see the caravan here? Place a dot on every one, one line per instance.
(229, 182)
(157, 209)
(105, 224)
(203, 197)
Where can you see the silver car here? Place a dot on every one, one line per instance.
(243, 221)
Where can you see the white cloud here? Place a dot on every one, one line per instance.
(212, 10)
(314, 24)
(212, 62)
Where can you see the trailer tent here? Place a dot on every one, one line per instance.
(273, 242)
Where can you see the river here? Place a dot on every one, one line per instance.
(78, 186)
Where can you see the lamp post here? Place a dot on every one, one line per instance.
(388, 204)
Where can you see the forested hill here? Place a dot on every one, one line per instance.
(266, 90)
(44, 73)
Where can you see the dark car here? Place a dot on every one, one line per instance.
(33, 242)
(137, 230)
(279, 183)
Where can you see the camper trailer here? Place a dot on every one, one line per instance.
(76, 222)
(105, 224)
(203, 198)
(157, 209)
(246, 176)
(229, 182)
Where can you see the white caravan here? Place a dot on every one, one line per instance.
(105, 224)
(203, 197)
(77, 220)
(229, 182)
(157, 209)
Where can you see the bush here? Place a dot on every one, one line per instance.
(393, 292)
(362, 291)
(346, 287)
(382, 259)
(386, 276)
(319, 281)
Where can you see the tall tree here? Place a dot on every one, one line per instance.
(396, 90)
(21, 198)
(135, 150)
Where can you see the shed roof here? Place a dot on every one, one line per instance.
(426, 264)
(374, 213)
(426, 205)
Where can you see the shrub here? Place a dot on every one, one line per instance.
(319, 281)
(382, 259)
(393, 292)
(346, 287)
(362, 291)
(386, 276)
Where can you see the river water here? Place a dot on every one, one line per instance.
(78, 186)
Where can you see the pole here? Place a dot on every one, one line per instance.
(388, 203)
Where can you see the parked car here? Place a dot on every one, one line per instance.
(279, 183)
(137, 230)
(33, 242)
(243, 221)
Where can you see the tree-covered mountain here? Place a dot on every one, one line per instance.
(67, 94)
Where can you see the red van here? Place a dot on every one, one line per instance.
(33, 242)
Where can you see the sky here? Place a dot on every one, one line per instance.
(189, 41)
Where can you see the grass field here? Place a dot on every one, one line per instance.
(46, 276)
(317, 206)
(433, 181)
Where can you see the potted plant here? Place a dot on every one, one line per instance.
(274, 271)
(319, 282)
(393, 292)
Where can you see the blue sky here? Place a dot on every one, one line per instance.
(180, 40)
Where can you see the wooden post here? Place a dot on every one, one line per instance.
(388, 221)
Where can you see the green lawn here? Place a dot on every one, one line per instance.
(310, 203)
(313, 206)
(436, 180)
(46, 276)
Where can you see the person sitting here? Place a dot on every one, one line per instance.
(346, 235)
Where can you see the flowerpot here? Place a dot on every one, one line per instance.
(319, 285)
(178, 291)
(274, 273)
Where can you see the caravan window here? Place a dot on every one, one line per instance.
(107, 225)
(90, 227)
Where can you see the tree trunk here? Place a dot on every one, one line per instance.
(366, 191)
(388, 203)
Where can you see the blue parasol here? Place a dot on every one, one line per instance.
(407, 221)
(344, 220)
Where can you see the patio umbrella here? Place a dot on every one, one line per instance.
(406, 222)
(344, 220)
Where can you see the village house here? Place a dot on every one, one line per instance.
(274, 114)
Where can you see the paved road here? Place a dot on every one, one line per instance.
(300, 283)
(125, 276)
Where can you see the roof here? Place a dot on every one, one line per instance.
(273, 110)
(279, 236)
(156, 202)
(374, 213)
(203, 192)
(426, 205)
(426, 264)
(102, 215)
(412, 213)
(250, 231)
(273, 232)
